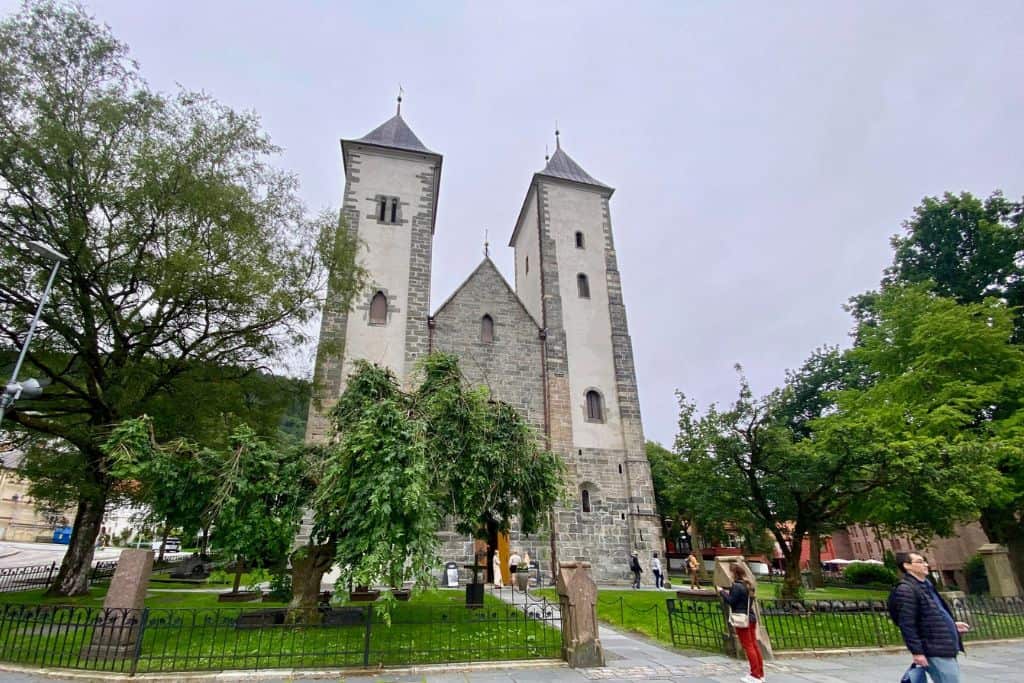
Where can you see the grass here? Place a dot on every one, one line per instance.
(701, 625)
(434, 627)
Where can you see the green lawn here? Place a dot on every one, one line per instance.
(434, 627)
(700, 625)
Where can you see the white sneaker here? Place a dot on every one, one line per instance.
(752, 679)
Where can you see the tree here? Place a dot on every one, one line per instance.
(185, 248)
(968, 249)
(944, 406)
(400, 462)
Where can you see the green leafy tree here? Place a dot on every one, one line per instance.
(185, 248)
(969, 249)
(945, 406)
(400, 462)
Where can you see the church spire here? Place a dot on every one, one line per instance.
(399, 112)
(558, 141)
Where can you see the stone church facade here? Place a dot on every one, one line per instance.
(555, 346)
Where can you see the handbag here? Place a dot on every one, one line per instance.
(741, 619)
(915, 674)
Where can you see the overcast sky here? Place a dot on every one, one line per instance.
(762, 153)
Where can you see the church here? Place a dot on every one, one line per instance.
(555, 345)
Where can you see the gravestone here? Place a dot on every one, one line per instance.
(723, 579)
(1002, 583)
(117, 631)
(577, 596)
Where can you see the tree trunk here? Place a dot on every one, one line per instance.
(814, 538)
(308, 566)
(73, 577)
(163, 543)
(791, 584)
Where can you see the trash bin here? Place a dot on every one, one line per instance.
(62, 535)
(451, 575)
(475, 589)
(522, 577)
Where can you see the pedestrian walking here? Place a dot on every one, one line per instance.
(926, 622)
(496, 570)
(659, 579)
(513, 566)
(740, 598)
(634, 566)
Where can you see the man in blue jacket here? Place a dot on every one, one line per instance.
(931, 633)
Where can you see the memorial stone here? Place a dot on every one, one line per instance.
(117, 631)
(1002, 583)
(577, 596)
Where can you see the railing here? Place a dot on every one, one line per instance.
(834, 624)
(178, 640)
(15, 579)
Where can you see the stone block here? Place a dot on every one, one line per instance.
(577, 596)
(1002, 582)
(117, 630)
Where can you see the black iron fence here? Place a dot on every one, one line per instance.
(178, 640)
(16, 579)
(833, 624)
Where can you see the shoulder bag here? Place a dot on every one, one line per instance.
(741, 619)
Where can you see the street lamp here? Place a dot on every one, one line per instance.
(31, 388)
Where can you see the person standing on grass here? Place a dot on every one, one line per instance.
(740, 598)
(659, 579)
(693, 565)
(926, 622)
(634, 566)
(496, 570)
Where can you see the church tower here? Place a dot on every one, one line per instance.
(567, 277)
(390, 204)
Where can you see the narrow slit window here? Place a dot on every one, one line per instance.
(595, 407)
(583, 285)
(394, 210)
(585, 499)
(382, 210)
(527, 265)
(579, 239)
(379, 309)
(487, 329)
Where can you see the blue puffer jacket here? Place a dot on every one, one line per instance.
(924, 629)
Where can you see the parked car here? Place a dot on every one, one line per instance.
(173, 545)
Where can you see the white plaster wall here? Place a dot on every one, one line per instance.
(587, 322)
(384, 252)
(527, 245)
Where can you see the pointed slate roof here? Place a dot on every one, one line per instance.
(395, 132)
(561, 165)
(486, 265)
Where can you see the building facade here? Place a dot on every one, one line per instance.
(556, 346)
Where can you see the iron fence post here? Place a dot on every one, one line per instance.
(137, 653)
(49, 574)
(622, 613)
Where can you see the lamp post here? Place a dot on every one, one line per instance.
(30, 388)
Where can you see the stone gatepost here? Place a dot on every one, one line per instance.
(577, 596)
(118, 628)
(1002, 583)
(722, 578)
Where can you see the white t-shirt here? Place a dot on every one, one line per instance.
(655, 564)
(515, 559)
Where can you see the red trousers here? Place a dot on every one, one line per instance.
(748, 638)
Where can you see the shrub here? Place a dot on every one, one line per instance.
(281, 585)
(862, 573)
(889, 560)
(977, 579)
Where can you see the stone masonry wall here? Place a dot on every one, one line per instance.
(646, 526)
(510, 367)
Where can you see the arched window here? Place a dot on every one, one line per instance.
(394, 209)
(382, 208)
(595, 406)
(585, 500)
(487, 329)
(579, 239)
(583, 285)
(379, 309)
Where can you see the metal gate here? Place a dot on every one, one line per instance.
(700, 622)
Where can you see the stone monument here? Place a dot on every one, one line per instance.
(118, 628)
(722, 578)
(1002, 583)
(577, 596)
